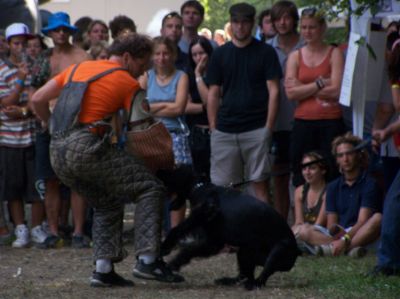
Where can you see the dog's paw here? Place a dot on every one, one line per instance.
(251, 284)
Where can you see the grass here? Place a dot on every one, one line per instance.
(341, 277)
(64, 273)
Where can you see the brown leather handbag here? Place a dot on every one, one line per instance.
(147, 137)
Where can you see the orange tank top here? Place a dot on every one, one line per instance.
(310, 108)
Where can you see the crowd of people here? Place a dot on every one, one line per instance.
(262, 113)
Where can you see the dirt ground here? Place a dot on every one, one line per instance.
(64, 273)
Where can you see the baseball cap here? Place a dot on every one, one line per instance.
(17, 29)
(243, 11)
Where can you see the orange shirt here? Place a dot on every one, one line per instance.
(310, 108)
(104, 96)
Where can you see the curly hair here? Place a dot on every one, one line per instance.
(137, 45)
(355, 141)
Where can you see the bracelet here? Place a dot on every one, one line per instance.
(346, 238)
(320, 83)
(24, 111)
(198, 79)
(395, 85)
(20, 82)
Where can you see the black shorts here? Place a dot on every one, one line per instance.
(280, 147)
(17, 168)
(43, 168)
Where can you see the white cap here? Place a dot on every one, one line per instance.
(17, 29)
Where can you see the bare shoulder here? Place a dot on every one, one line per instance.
(80, 55)
(337, 54)
(293, 58)
(298, 192)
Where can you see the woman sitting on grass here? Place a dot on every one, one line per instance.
(309, 200)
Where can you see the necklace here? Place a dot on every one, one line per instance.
(164, 77)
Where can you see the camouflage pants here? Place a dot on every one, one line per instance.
(102, 174)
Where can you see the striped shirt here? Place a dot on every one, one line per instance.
(14, 132)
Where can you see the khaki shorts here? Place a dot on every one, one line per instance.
(240, 157)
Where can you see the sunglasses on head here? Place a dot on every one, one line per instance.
(309, 12)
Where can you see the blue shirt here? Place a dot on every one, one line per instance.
(346, 201)
(164, 93)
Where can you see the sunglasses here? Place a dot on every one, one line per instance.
(62, 29)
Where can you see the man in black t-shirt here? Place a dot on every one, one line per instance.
(245, 73)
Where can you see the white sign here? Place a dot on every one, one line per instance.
(351, 58)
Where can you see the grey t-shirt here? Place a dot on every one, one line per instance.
(285, 117)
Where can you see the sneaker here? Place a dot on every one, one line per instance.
(7, 239)
(357, 252)
(38, 235)
(46, 227)
(52, 241)
(22, 236)
(325, 250)
(107, 280)
(383, 271)
(79, 242)
(158, 270)
(306, 248)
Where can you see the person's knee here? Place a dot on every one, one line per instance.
(304, 231)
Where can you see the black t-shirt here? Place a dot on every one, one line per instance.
(182, 61)
(243, 73)
(201, 118)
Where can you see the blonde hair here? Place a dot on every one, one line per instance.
(97, 48)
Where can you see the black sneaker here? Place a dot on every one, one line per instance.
(158, 270)
(111, 279)
(52, 241)
(79, 242)
(383, 271)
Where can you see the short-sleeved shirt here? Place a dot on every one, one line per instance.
(346, 201)
(243, 73)
(14, 132)
(104, 96)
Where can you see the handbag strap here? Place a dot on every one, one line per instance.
(137, 103)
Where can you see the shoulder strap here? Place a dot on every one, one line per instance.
(137, 100)
(109, 71)
(306, 186)
(95, 77)
(73, 72)
(300, 56)
(321, 195)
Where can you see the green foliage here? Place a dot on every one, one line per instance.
(217, 10)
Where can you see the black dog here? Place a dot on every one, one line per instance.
(225, 216)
